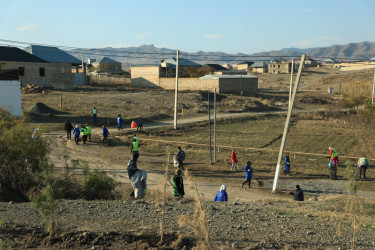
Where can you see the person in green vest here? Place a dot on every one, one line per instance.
(362, 167)
(136, 138)
(88, 127)
(334, 162)
(134, 148)
(94, 114)
(84, 134)
(178, 184)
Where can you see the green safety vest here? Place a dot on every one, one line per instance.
(175, 190)
(84, 131)
(136, 138)
(135, 146)
(88, 130)
(334, 153)
(94, 111)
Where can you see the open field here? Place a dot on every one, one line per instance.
(253, 218)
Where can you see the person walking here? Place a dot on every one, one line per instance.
(234, 160)
(119, 122)
(362, 167)
(136, 138)
(105, 133)
(94, 114)
(84, 134)
(180, 157)
(132, 169)
(222, 195)
(139, 125)
(76, 133)
(298, 194)
(134, 148)
(334, 162)
(178, 184)
(249, 174)
(68, 128)
(286, 164)
(88, 128)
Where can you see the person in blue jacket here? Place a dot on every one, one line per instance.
(286, 164)
(119, 122)
(222, 195)
(76, 133)
(249, 174)
(105, 133)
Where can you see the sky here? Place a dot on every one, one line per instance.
(237, 26)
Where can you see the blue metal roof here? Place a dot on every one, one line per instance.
(171, 62)
(105, 59)
(258, 65)
(52, 54)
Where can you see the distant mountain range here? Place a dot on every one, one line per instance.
(151, 55)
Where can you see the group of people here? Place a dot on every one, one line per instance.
(85, 130)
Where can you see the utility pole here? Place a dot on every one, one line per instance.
(291, 81)
(209, 124)
(176, 92)
(83, 71)
(283, 140)
(373, 90)
(215, 126)
(60, 101)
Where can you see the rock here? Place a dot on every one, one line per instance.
(308, 215)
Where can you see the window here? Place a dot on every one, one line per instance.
(21, 71)
(42, 72)
(62, 70)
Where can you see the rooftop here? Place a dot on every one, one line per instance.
(52, 54)
(14, 54)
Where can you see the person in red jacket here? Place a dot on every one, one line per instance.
(233, 157)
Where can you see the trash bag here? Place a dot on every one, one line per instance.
(330, 164)
(138, 181)
(175, 162)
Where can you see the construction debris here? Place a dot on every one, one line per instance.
(29, 89)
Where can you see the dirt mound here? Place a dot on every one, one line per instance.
(42, 109)
(313, 100)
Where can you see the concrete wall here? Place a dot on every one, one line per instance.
(10, 96)
(31, 75)
(145, 76)
(277, 68)
(62, 76)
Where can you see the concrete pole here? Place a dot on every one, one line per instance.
(215, 127)
(176, 92)
(283, 140)
(373, 90)
(291, 81)
(83, 71)
(209, 124)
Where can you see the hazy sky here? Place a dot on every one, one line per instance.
(245, 26)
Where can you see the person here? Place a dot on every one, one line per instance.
(105, 133)
(180, 157)
(76, 133)
(249, 174)
(132, 169)
(222, 195)
(178, 184)
(84, 134)
(119, 122)
(68, 128)
(233, 157)
(94, 114)
(362, 167)
(333, 163)
(298, 194)
(35, 135)
(88, 127)
(134, 148)
(139, 125)
(136, 138)
(286, 164)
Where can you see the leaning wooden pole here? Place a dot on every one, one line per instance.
(283, 140)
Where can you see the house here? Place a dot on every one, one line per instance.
(329, 61)
(281, 67)
(10, 91)
(309, 62)
(61, 66)
(31, 69)
(215, 67)
(106, 65)
(244, 65)
(185, 67)
(258, 67)
(153, 76)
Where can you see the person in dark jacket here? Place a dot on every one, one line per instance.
(119, 122)
(105, 133)
(298, 194)
(68, 128)
(132, 169)
(222, 195)
(180, 157)
(249, 174)
(286, 164)
(178, 184)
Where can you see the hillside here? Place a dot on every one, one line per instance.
(149, 54)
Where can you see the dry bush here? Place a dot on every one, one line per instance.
(197, 221)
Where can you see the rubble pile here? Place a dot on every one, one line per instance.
(29, 89)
